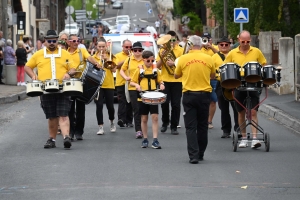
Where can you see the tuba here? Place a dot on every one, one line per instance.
(164, 41)
(109, 64)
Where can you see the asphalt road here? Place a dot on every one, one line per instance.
(113, 166)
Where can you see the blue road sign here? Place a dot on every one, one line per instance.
(150, 11)
(241, 15)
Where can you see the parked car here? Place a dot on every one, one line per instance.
(117, 5)
(72, 29)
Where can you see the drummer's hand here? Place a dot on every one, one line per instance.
(170, 63)
(138, 88)
(98, 65)
(66, 76)
(128, 78)
(33, 78)
(161, 87)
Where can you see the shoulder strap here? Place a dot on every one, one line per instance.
(222, 56)
(80, 56)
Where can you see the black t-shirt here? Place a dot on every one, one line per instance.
(21, 55)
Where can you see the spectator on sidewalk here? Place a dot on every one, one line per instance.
(21, 56)
(157, 24)
(94, 31)
(28, 47)
(164, 26)
(1, 60)
(9, 54)
(40, 43)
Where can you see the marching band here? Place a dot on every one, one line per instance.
(144, 81)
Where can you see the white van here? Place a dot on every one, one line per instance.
(146, 39)
(123, 18)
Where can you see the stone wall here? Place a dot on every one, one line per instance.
(297, 67)
(265, 43)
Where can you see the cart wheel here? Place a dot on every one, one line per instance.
(267, 141)
(234, 141)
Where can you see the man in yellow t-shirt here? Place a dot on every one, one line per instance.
(173, 87)
(241, 55)
(56, 106)
(148, 82)
(107, 89)
(196, 69)
(224, 104)
(79, 57)
(127, 70)
(124, 109)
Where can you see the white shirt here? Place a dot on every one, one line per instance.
(157, 23)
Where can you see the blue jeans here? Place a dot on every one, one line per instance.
(213, 95)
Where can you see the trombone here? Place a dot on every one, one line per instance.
(109, 64)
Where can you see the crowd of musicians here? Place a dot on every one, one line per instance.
(187, 75)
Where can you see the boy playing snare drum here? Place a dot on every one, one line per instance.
(148, 82)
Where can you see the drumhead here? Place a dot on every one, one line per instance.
(153, 94)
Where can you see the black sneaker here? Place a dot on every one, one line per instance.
(194, 161)
(155, 144)
(130, 125)
(145, 143)
(67, 142)
(174, 131)
(121, 123)
(78, 137)
(50, 144)
(163, 128)
(225, 135)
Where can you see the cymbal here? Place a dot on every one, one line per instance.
(164, 39)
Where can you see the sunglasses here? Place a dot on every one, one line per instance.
(137, 50)
(224, 45)
(53, 41)
(173, 40)
(150, 61)
(127, 47)
(62, 42)
(74, 41)
(245, 42)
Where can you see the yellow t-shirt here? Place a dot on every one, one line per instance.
(195, 68)
(209, 51)
(121, 56)
(108, 82)
(62, 64)
(133, 65)
(178, 51)
(253, 55)
(144, 81)
(76, 59)
(218, 62)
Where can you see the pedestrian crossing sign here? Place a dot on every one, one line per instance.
(241, 15)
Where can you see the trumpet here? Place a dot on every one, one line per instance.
(129, 53)
(205, 40)
(165, 43)
(109, 64)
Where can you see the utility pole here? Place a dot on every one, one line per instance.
(225, 17)
(4, 19)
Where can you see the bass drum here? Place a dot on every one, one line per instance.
(92, 79)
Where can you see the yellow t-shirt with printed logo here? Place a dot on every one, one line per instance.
(43, 65)
(143, 82)
(195, 69)
(121, 56)
(178, 51)
(133, 65)
(238, 57)
(218, 62)
(76, 59)
(108, 82)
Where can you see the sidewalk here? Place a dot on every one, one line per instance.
(282, 108)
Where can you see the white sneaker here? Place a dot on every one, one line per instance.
(19, 83)
(101, 131)
(243, 144)
(210, 125)
(178, 126)
(23, 84)
(255, 144)
(112, 128)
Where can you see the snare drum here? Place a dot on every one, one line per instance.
(72, 87)
(246, 86)
(269, 74)
(153, 98)
(51, 85)
(34, 88)
(230, 75)
(252, 71)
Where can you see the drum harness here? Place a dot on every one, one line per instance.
(149, 77)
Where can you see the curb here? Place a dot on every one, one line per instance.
(13, 98)
(281, 117)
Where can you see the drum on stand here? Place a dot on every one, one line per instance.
(72, 87)
(230, 75)
(253, 72)
(51, 85)
(269, 75)
(153, 97)
(34, 88)
(92, 79)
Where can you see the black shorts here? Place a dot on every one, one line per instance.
(241, 97)
(144, 109)
(55, 105)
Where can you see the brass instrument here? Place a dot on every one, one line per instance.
(109, 64)
(188, 45)
(165, 44)
(129, 53)
(205, 40)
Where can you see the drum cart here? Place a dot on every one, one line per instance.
(262, 136)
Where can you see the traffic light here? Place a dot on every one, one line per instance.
(21, 23)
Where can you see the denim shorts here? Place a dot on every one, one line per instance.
(213, 94)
